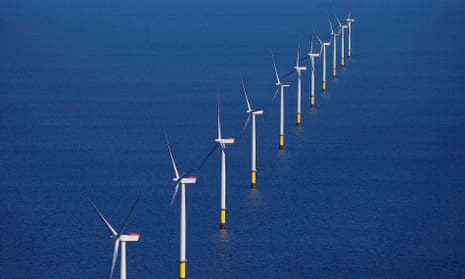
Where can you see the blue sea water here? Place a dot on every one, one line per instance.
(372, 185)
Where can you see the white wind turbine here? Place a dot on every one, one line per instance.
(312, 56)
(334, 35)
(341, 30)
(181, 181)
(349, 21)
(299, 70)
(222, 142)
(120, 238)
(252, 112)
(323, 46)
(281, 86)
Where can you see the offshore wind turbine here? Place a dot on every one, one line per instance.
(222, 142)
(341, 30)
(349, 21)
(281, 86)
(120, 239)
(323, 46)
(312, 56)
(299, 70)
(252, 112)
(181, 180)
(334, 35)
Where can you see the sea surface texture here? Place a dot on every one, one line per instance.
(371, 185)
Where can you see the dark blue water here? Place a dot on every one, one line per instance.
(371, 186)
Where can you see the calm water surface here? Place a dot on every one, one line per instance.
(371, 185)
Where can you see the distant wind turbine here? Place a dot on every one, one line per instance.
(281, 86)
(120, 238)
(222, 142)
(341, 30)
(252, 112)
(349, 21)
(181, 180)
(334, 35)
(323, 46)
(299, 69)
(312, 56)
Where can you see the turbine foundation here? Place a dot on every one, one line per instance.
(312, 101)
(253, 179)
(349, 53)
(182, 269)
(298, 119)
(281, 142)
(324, 86)
(334, 72)
(222, 219)
(342, 62)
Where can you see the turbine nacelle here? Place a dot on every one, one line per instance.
(256, 111)
(283, 84)
(350, 19)
(189, 180)
(225, 140)
(314, 54)
(129, 237)
(300, 68)
(326, 44)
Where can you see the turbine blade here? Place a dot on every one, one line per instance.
(219, 121)
(298, 55)
(172, 158)
(350, 11)
(245, 95)
(246, 122)
(318, 38)
(173, 197)
(311, 45)
(289, 73)
(338, 22)
(107, 224)
(125, 222)
(330, 25)
(275, 70)
(276, 92)
(115, 256)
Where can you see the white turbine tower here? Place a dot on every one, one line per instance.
(323, 46)
(120, 238)
(181, 181)
(312, 56)
(252, 112)
(299, 70)
(222, 142)
(349, 21)
(334, 35)
(280, 86)
(341, 30)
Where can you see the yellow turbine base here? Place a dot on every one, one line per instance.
(312, 101)
(281, 141)
(182, 270)
(334, 72)
(342, 62)
(324, 86)
(253, 178)
(222, 219)
(298, 119)
(349, 53)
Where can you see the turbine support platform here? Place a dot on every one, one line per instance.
(253, 179)
(222, 219)
(281, 142)
(334, 72)
(182, 269)
(298, 119)
(342, 62)
(324, 86)
(349, 53)
(312, 101)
